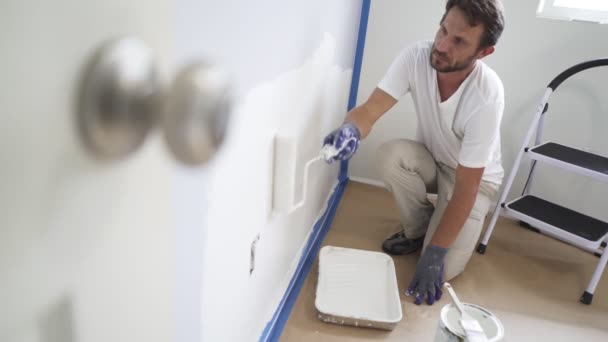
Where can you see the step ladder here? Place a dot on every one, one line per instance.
(548, 218)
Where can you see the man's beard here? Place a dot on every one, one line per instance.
(450, 68)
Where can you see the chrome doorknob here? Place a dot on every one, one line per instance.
(119, 99)
(196, 112)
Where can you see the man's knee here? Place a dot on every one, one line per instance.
(454, 264)
(397, 154)
(388, 153)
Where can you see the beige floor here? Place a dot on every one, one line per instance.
(531, 282)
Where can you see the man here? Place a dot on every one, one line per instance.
(459, 103)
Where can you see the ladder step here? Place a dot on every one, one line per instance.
(560, 217)
(570, 158)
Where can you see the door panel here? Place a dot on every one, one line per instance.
(86, 247)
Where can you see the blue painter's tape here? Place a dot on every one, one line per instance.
(274, 328)
(354, 85)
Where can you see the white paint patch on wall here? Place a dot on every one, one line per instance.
(303, 104)
(259, 43)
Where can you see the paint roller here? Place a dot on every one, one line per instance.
(284, 177)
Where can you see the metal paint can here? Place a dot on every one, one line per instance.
(449, 329)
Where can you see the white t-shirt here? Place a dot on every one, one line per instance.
(465, 128)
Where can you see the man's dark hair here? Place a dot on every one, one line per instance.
(486, 12)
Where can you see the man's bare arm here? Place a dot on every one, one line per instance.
(365, 115)
(459, 207)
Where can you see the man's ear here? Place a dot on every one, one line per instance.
(485, 52)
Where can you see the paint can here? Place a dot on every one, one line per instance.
(449, 329)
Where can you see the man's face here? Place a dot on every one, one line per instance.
(456, 44)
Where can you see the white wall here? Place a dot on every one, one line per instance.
(93, 251)
(530, 54)
(291, 65)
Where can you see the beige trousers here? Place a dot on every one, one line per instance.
(410, 172)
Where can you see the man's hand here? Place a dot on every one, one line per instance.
(427, 281)
(344, 142)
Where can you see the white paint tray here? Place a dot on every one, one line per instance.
(357, 287)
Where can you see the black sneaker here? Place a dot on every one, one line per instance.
(399, 244)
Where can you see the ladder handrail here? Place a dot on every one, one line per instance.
(564, 75)
(576, 69)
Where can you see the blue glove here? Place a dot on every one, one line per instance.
(427, 281)
(344, 140)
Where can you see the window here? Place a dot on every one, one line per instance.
(581, 10)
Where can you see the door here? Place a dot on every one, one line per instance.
(87, 244)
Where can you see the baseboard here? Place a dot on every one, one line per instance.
(367, 181)
(373, 182)
(275, 326)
